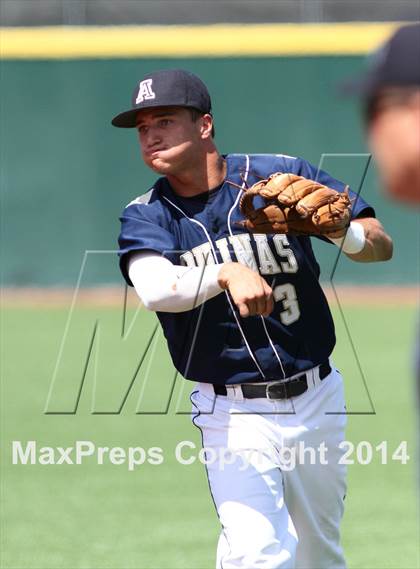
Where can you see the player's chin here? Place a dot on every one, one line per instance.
(405, 186)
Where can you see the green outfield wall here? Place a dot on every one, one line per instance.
(66, 173)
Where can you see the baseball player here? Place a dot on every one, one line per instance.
(390, 90)
(244, 317)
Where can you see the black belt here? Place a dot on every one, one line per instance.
(276, 389)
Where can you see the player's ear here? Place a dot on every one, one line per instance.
(206, 126)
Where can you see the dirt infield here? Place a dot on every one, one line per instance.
(114, 296)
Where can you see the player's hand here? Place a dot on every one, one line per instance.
(249, 291)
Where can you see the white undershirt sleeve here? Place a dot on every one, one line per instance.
(165, 287)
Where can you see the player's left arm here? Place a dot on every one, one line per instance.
(377, 245)
(365, 240)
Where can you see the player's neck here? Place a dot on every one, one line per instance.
(205, 175)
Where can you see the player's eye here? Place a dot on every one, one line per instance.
(164, 122)
(142, 129)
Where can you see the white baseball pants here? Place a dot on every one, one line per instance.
(279, 502)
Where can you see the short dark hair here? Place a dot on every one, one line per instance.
(388, 97)
(196, 114)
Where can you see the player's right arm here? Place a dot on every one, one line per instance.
(148, 251)
(165, 287)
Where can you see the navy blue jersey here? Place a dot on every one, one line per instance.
(212, 343)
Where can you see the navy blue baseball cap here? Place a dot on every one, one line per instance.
(166, 88)
(395, 64)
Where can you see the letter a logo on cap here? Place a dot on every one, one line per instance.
(145, 91)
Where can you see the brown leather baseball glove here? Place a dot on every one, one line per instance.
(297, 206)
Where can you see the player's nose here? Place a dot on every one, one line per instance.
(153, 137)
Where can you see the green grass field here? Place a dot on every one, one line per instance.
(161, 516)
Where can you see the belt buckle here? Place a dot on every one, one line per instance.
(271, 388)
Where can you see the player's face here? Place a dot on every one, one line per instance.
(394, 139)
(169, 139)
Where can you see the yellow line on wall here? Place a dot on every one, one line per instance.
(220, 40)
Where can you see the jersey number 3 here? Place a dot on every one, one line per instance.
(287, 294)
